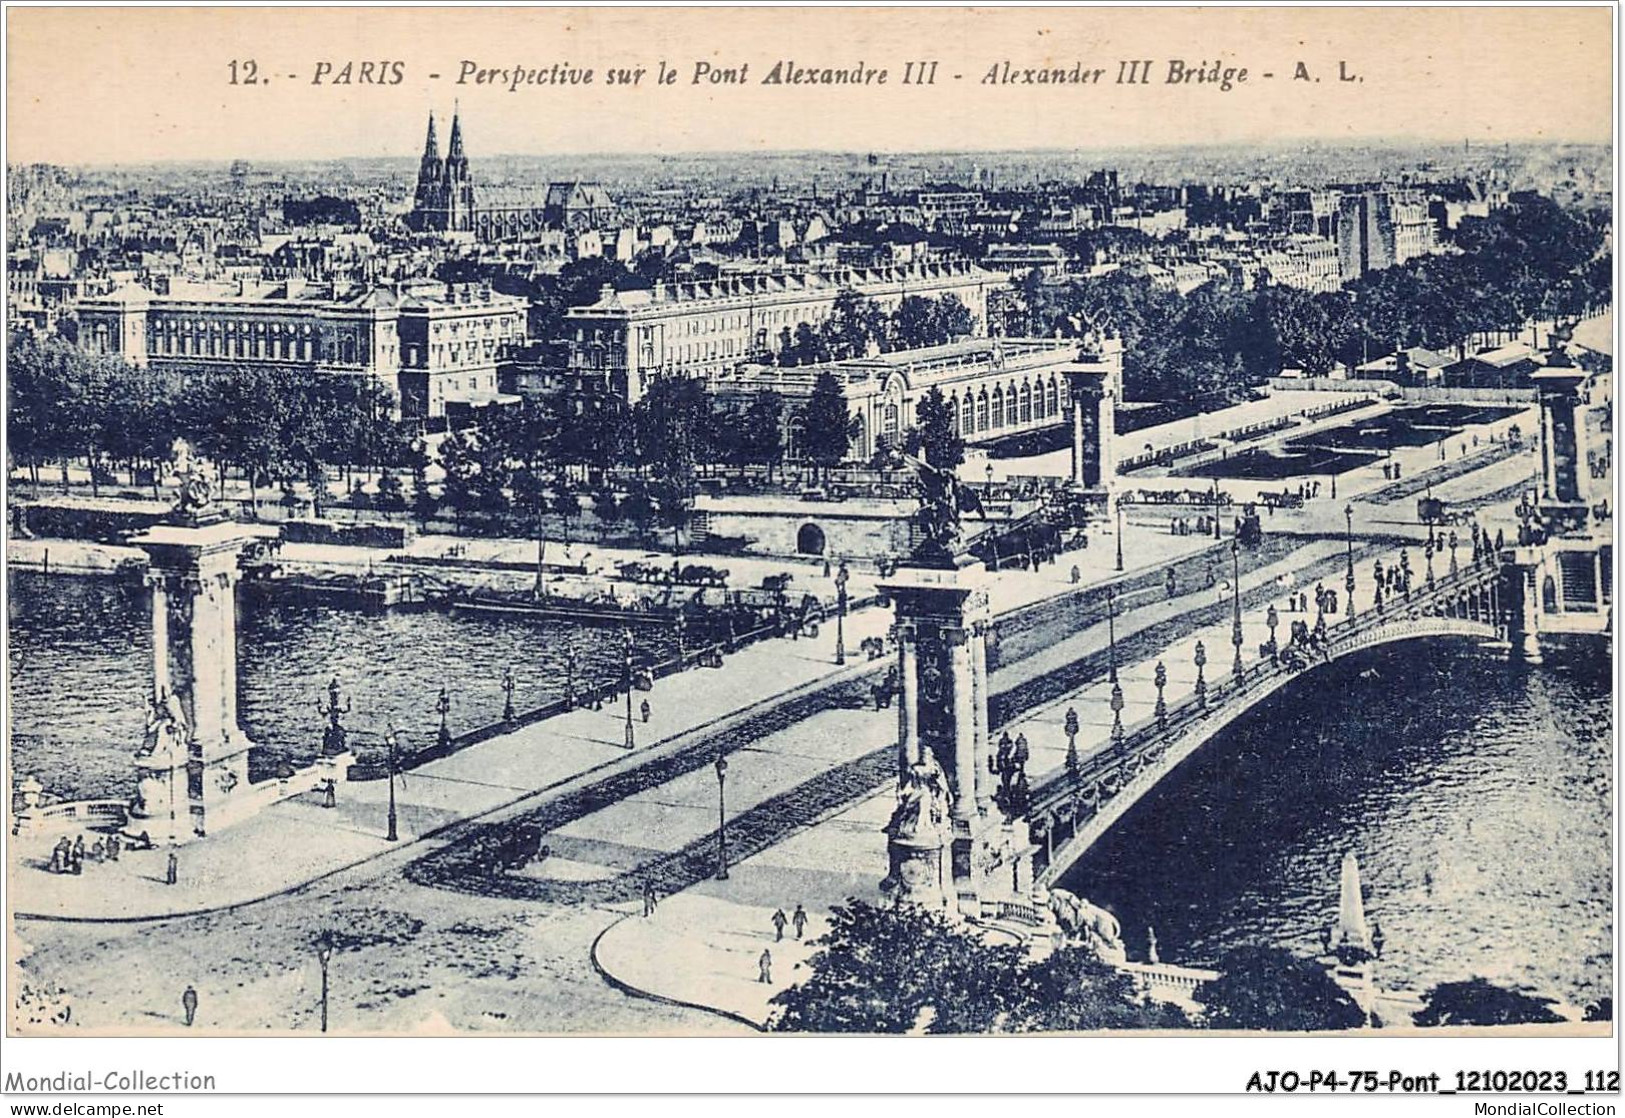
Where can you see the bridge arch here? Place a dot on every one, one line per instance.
(1112, 789)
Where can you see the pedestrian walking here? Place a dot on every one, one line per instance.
(113, 847)
(779, 921)
(79, 849)
(62, 855)
(648, 899)
(799, 919)
(189, 1004)
(643, 709)
(764, 967)
(173, 873)
(330, 793)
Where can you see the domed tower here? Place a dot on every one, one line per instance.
(429, 203)
(458, 188)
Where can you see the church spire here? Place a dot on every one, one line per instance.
(456, 161)
(431, 147)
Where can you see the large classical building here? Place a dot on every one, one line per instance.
(435, 347)
(628, 338)
(994, 387)
(444, 200)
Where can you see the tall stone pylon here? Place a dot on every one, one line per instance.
(193, 766)
(944, 621)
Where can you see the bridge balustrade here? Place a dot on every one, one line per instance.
(1104, 773)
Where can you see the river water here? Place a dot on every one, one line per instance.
(81, 670)
(1476, 793)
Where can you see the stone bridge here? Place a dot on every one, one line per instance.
(1076, 805)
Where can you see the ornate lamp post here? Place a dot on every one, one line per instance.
(1160, 678)
(1428, 551)
(841, 577)
(1454, 569)
(391, 744)
(507, 692)
(1201, 682)
(324, 955)
(722, 818)
(334, 737)
(1348, 579)
(626, 644)
(569, 678)
(1235, 624)
(1376, 579)
(1405, 574)
(1272, 619)
(1119, 533)
(442, 707)
(1117, 688)
(1071, 727)
(1215, 508)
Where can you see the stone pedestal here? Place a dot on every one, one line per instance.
(943, 622)
(1520, 591)
(194, 775)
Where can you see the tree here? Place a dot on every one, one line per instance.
(898, 970)
(1479, 1002)
(639, 507)
(905, 969)
(920, 321)
(827, 424)
(1267, 988)
(1073, 991)
(935, 434)
(460, 488)
(763, 430)
(855, 323)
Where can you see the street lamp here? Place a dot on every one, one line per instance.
(1235, 597)
(507, 691)
(1160, 678)
(841, 577)
(391, 740)
(1428, 551)
(569, 678)
(324, 954)
(626, 641)
(1454, 569)
(722, 818)
(1201, 681)
(1215, 507)
(442, 707)
(1376, 578)
(1348, 579)
(1405, 574)
(334, 737)
(1272, 619)
(1111, 629)
(1119, 533)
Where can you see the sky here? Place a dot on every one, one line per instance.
(131, 85)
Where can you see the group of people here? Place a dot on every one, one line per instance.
(1185, 526)
(796, 920)
(69, 857)
(1325, 601)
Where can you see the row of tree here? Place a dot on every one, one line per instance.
(858, 325)
(903, 970)
(1531, 261)
(268, 424)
